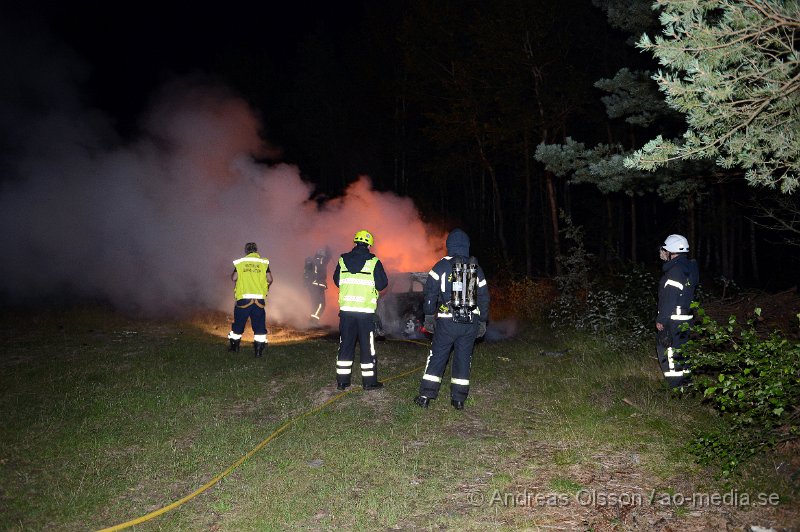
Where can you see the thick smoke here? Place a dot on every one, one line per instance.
(153, 225)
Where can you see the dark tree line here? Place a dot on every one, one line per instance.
(446, 102)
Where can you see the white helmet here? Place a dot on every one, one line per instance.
(676, 244)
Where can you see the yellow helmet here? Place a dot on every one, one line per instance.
(364, 236)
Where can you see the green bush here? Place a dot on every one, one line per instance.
(753, 380)
(621, 304)
(573, 283)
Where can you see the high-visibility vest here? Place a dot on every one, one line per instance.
(357, 289)
(251, 277)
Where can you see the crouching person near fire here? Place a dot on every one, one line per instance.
(252, 279)
(456, 309)
(360, 276)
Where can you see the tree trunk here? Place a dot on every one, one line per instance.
(724, 239)
(496, 199)
(551, 197)
(633, 229)
(753, 254)
(609, 224)
(545, 233)
(483, 209)
(708, 237)
(536, 77)
(527, 210)
(690, 213)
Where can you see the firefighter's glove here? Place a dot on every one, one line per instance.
(430, 323)
(481, 329)
(664, 338)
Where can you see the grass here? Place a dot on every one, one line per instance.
(106, 419)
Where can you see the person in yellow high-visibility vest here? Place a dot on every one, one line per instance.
(360, 276)
(253, 278)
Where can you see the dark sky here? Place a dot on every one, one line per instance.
(133, 47)
(150, 220)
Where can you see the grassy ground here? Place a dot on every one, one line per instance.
(106, 419)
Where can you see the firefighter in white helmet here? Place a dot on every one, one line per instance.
(676, 291)
(360, 277)
(252, 279)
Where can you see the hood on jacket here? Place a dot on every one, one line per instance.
(686, 265)
(357, 257)
(458, 243)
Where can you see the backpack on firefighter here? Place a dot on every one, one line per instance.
(464, 291)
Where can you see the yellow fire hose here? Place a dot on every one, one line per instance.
(253, 451)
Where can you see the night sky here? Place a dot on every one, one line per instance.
(132, 48)
(339, 90)
(322, 75)
(139, 155)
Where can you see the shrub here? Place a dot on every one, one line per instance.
(573, 283)
(753, 381)
(526, 299)
(631, 293)
(623, 302)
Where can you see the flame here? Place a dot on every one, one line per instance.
(403, 242)
(216, 323)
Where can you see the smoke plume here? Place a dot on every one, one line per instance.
(152, 225)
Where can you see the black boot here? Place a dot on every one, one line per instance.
(422, 401)
(458, 405)
(259, 347)
(234, 345)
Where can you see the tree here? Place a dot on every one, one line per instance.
(632, 97)
(781, 216)
(732, 67)
(491, 80)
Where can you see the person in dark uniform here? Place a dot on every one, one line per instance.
(360, 277)
(675, 294)
(456, 310)
(315, 275)
(252, 278)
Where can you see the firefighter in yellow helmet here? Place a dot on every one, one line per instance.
(360, 276)
(253, 278)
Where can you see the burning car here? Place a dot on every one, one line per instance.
(399, 311)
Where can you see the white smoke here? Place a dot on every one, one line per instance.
(153, 225)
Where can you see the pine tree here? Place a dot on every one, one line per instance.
(733, 68)
(633, 98)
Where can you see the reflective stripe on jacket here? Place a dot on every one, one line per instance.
(357, 291)
(439, 284)
(251, 277)
(676, 289)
